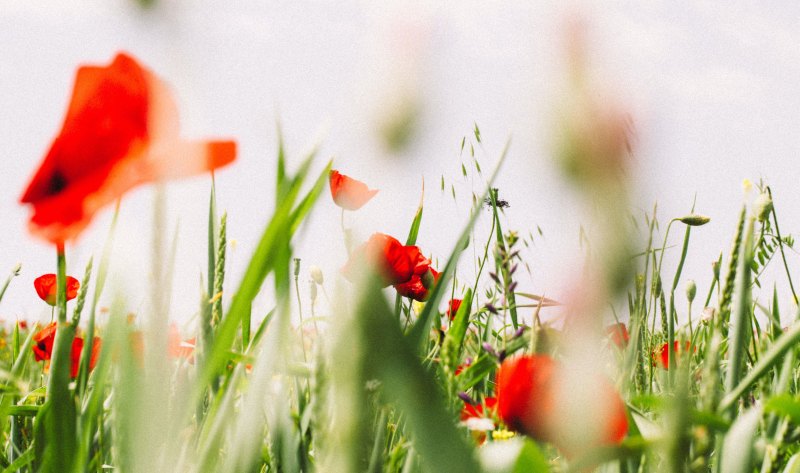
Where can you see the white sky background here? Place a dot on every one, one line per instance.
(713, 88)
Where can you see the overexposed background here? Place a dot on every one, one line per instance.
(713, 89)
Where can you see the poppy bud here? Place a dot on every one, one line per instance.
(763, 206)
(296, 267)
(316, 275)
(715, 269)
(691, 290)
(428, 279)
(312, 290)
(695, 220)
(708, 314)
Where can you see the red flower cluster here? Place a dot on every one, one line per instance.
(529, 401)
(47, 288)
(348, 193)
(618, 334)
(43, 348)
(120, 131)
(661, 355)
(396, 264)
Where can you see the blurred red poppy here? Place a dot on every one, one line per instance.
(47, 288)
(528, 402)
(390, 259)
(661, 354)
(618, 334)
(452, 308)
(43, 348)
(179, 348)
(43, 342)
(477, 410)
(77, 348)
(348, 193)
(120, 131)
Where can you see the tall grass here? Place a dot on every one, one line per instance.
(379, 386)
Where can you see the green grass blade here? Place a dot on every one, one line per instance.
(406, 384)
(413, 232)
(420, 329)
(740, 318)
(738, 452)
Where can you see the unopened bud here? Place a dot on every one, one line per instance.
(312, 290)
(428, 280)
(695, 220)
(316, 275)
(763, 206)
(715, 268)
(296, 267)
(466, 398)
(691, 290)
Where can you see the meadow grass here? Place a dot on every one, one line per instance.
(380, 384)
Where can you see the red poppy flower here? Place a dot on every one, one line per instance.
(418, 287)
(528, 401)
(179, 348)
(661, 354)
(390, 259)
(77, 349)
(618, 334)
(43, 342)
(120, 130)
(477, 410)
(422, 279)
(453, 307)
(349, 193)
(43, 348)
(46, 287)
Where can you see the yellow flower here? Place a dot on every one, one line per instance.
(502, 434)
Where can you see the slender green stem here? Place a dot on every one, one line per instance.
(780, 247)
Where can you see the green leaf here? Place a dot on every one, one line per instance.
(392, 359)
(738, 447)
(413, 232)
(454, 340)
(793, 466)
(785, 405)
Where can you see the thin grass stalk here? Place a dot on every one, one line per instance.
(672, 315)
(727, 290)
(780, 247)
(740, 318)
(14, 273)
